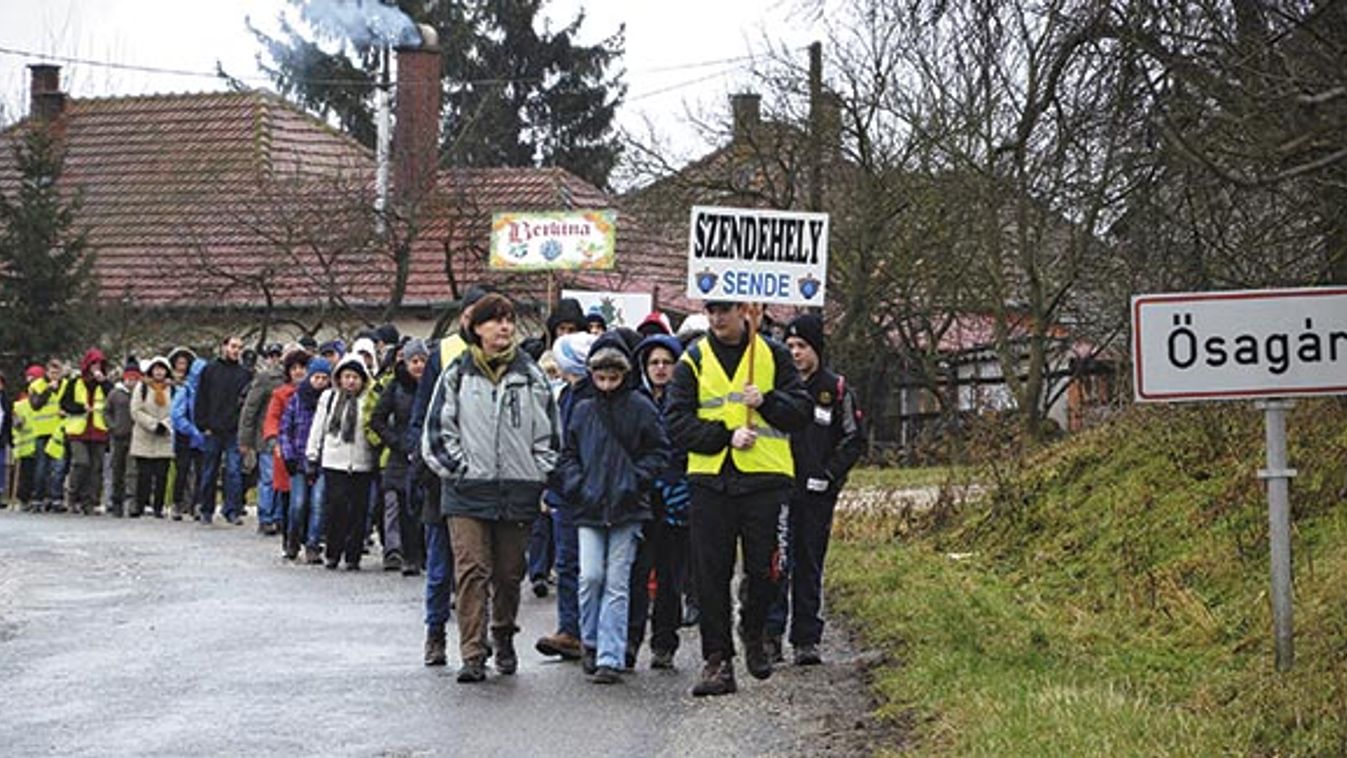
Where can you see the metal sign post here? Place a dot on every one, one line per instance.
(1278, 477)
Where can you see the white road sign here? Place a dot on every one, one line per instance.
(1239, 345)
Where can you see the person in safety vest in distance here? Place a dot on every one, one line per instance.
(83, 401)
(737, 434)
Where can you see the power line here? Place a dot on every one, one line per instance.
(688, 83)
(350, 82)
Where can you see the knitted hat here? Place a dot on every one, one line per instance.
(572, 351)
(595, 316)
(809, 328)
(332, 346)
(414, 347)
(308, 343)
(609, 357)
(132, 365)
(655, 323)
(318, 365)
(387, 334)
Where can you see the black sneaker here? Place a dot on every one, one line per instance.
(807, 655)
(587, 660)
(757, 660)
(507, 660)
(717, 679)
(605, 675)
(392, 562)
(472, 672)
(661, 659)
(540, 587)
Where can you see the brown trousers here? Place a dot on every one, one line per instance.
(488, 562)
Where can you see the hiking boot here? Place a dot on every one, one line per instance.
(507, 660)
(392, 562)
(472, 672)
(717, 679)
(588, 663)
(775, 652)
(312, 556)
(807, 655)
(661, 659)
(757, 660)
(605, 675)
(540, 587)
(562, 644)
(291, 552)
(436, 653)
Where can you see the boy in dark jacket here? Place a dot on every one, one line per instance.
(614, 449)
(119, 430)
(824, 452)
(403, 543)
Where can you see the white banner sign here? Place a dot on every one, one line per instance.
(539, 241)
(1237, 345)
(617, 308)
(748, 255)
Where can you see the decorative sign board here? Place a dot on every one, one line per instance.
(553, 240)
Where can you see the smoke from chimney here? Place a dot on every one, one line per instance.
(363, 22)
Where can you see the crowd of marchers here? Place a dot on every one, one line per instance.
(628, 470)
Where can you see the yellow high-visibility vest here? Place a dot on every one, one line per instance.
(25, 437)
(47, 419)
(721, 398)
(55, 448)
(77, 425)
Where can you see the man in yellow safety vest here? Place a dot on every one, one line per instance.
(44, 398)
(86, 430)
(734, 401)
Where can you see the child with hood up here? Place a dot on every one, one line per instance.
(337, 443)
(614, 449)
(305, 518)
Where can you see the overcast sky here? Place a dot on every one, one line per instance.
(668, 44)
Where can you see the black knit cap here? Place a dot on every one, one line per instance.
(809, 328)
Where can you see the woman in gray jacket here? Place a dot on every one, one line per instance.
(491, 436)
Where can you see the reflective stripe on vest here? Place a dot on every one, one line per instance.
(76, 425)
(720, 398)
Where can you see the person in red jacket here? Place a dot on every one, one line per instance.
(86, 430)
(294, 367)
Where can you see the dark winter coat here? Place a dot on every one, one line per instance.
(672, 497)
(219, 397)
(118, 412)
(255, 403)
(570, 396)
(614, 448)
(827, 448)
(392, 416)
(296, 422)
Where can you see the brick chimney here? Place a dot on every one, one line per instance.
(747, 110)
(416, 129)
(46, 100)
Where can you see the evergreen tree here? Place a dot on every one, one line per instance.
(46, 281)
(513, 95)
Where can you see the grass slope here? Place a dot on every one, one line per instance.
(1111, 597)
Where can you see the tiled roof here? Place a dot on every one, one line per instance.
(231, 199)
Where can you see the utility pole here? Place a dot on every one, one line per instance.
(816, 119)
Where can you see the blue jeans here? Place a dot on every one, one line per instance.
(568, 572)
(4, 481)
(220, 446)
(305, 497)
(50, 477)
(541, 548)
(439, 575)
(606, 556)
(268, 504)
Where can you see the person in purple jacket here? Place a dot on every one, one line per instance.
(306, 487)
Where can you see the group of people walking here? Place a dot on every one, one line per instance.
(636, 466)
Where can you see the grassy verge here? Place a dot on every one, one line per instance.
(1110, 598)
(910, 478)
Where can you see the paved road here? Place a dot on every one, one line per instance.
(152, 637)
